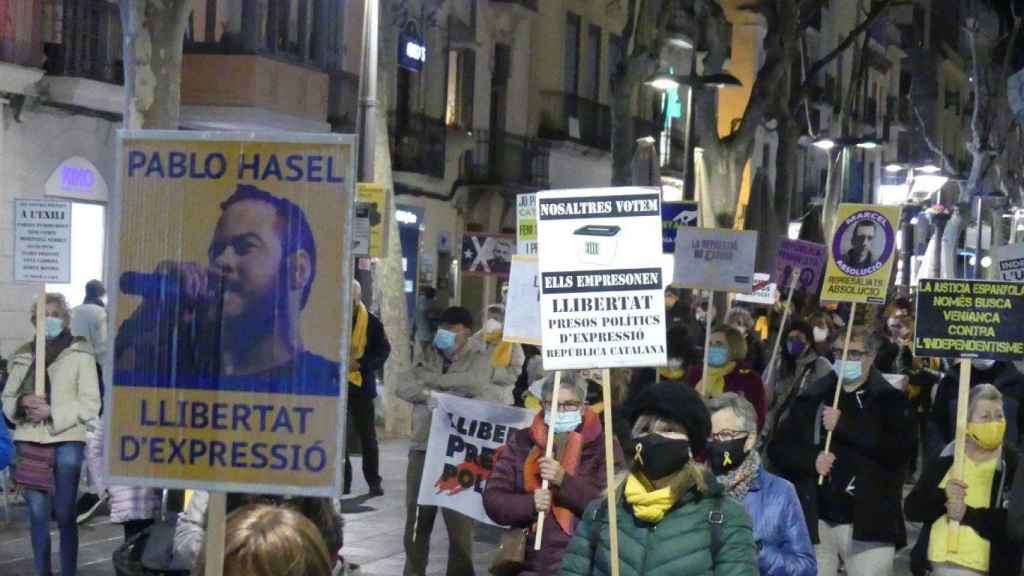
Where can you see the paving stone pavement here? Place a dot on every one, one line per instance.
(373, 532)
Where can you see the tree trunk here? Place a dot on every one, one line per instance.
(623, 138)
(725, 178)
(950, 240)
(154, 33)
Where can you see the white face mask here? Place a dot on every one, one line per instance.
(820, 334)
(492, 325)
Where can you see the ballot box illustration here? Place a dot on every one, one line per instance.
(596, 244)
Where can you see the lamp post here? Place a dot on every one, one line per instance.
(843, 144)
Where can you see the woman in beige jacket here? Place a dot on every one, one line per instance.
(56, 420)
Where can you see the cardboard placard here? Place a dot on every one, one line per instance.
(765, 291)
(487, 254)
(715, 259)
(228, 244)
(602, 301)
(42, 241)
(676, 215)
(970, 319)
(522, 325)
(808, 257)
(861, 254)
(526, 224)
(464, 438)
(1009, 262)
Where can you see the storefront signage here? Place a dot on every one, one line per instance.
(77, 178)
(412, 51)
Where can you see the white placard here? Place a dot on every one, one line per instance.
(1009, 262)
(602, 304)
(765, 291)
(715, 259)
(526, 224)
(464, 437)
(523, 326)
(42, 241)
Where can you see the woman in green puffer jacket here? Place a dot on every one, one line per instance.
(674, 519)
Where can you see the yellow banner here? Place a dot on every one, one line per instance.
(231, 311)
(861, 254)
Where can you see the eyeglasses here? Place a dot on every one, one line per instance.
(566, 406)
(726, 435)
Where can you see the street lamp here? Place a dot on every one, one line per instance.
(824, 144)
(665, 81)
(929, 169)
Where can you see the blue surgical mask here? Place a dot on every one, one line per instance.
(566, 421)
(852, 371)
(444, 340)
(718, 356)
(53, 328)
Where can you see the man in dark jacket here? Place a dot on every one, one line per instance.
(1016, 511)
(856, 515)
(369, 350)
(1002, 375)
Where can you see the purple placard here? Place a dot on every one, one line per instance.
(809, 257)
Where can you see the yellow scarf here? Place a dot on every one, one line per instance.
(648, 504)
(502, 355)
(672, 375)
(358, 347)
(714, 380)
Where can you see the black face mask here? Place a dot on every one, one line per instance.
(658, 456)
(726, 455)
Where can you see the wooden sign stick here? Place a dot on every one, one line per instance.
(701, 386)
(548, 451)
(215, 520)
(960, 442)
(839, 383)
(609, 469)
(782, 329)
(41, 345)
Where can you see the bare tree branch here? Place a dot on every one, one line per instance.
(946, 164)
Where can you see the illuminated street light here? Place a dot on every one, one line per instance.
(893, 168)
(825, 144)
(986, 261)
(663, 81)
(929, 169)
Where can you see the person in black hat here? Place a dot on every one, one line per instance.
(668, 504)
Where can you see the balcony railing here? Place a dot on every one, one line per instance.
(569, 117)
(499, 158)
(417, 144)
(83, 38)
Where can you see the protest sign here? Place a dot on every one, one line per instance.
(1009, 262)
(487, 254)
(227, 246)
(675, 215)
(765, 291)
(602, 303)
(715, 259)
(526, 224)
(861, 254)
(464, 438)
(42, 241)
(970, 319)
(807, 257)
(369, 229)
(523, 326)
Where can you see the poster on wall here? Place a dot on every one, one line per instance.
(861, 254)
(523, 327)
(970, 319)
(487, 254)
(369, 230)
(602, 303)
(526, 224)
(715, 259)
(464, 439)
(230, 324)
(42, 241)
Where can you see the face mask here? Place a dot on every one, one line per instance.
(657, 456)
(717, 356)
(727, 455)
(444, 340)
(492, 325)
(566, 421)
(983, 364)
(701, 315)
(852, 371)
(820, 335)
(988, 435)
(53, 327)
(795, 347)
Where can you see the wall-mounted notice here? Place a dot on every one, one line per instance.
(526, 224)
(42, 241)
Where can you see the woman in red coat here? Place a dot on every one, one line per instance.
(727, 372)
(576, 475)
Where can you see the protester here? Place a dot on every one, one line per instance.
(726, 372)
(673, 518)
(856, 516)
(51, 431)
(741, 319)
(1003, 375)
(799, 364)
(507, 358)
(1015, 525)
(190, 531)
(575, 472)
(261, 540)
(89, 321)
(823, 332)
(459, 364)
(979, 502)
(784, 546)
(369, 351)
(6, 447)
(135, 508)
(681, 353)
